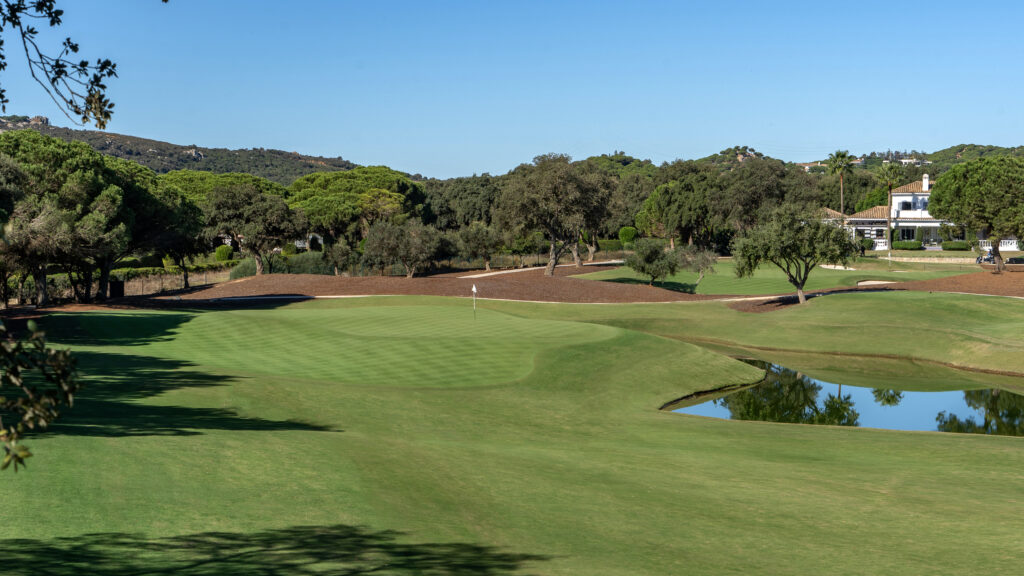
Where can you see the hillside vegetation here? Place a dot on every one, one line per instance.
(277, 165)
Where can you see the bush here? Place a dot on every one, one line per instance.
(168, 262)
(868, 243)
(289, 249)
(609, 245)
(955, 245)
(652, 260)
(627, 234)
(307, 263)
(223, 253)
(907, 245)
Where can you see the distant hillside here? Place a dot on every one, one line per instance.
(944, 159)
(277, 165)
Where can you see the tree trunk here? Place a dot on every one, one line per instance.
(800, 296)
(997, 256)
(87, 285)
(671, 242)
(259, 264)
(21, 288)
(336, 270)
(184, 276)
(591, 250)
(842, 207)
(549, 270)
(487, 264)
(104, 284)
(42, 296)
(575, 249)
(409, 271)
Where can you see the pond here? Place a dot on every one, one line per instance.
(789, 396)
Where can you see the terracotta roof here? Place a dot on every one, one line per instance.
(912, 188)
(830, 214)
(874, 213)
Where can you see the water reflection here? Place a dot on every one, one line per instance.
(789, 396)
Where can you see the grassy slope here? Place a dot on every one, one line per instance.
(771, 280)
(434, 429)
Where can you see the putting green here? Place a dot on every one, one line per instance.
(536, 447)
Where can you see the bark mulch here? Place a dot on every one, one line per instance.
(1005, 284)
(529, 286)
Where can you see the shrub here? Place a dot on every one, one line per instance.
(609, 245)
(223, 253)
(919, 234)
(308, 263)
(907, 245)
(652, 260)
(955, 245)
(627, 234)
(168, 262)
(868, 243)
(289, 249)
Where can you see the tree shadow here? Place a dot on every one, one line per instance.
(109, 404)
(666, 284)
(338, 550)
(112, 329)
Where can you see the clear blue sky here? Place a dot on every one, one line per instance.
(455, 88)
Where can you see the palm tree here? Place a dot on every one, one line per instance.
(840, 162)
(890, 174)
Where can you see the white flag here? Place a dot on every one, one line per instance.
(474, 288)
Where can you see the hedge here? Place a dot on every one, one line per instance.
(609, 245)
(955, 245)
(907, 245)
(867, 243)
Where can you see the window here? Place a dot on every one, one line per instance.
(879, 233)
(906, 233)
(906, 206)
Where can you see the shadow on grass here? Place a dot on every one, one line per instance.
(112, 329)
(297, 551)
(109, 404)
(667, 285)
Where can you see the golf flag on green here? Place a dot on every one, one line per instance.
(474, 300)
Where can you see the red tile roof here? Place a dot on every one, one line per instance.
(874, 213)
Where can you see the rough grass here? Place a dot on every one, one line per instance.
(770, 280)
(524, 441)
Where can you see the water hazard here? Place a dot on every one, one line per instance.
(789, 396)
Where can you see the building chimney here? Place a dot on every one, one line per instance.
(924, 183)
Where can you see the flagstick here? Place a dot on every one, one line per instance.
(474, 301)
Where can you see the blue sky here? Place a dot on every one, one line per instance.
(447, 88)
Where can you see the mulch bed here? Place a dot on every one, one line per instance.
(1005, 284)
(530, 285)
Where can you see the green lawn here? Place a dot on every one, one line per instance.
(771, 280)
(402, 436)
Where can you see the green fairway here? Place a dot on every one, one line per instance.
(402, 435)
(771, 280)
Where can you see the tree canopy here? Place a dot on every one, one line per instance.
(985, 195)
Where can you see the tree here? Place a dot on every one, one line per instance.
(180, 230)
(478, 240)
(985, 195)
(651, 259)
(697, 260)
(556, 197)
(255, 221)
(36, 382)
(796, 241)
(75, 86)
(840, 162)
(412, 245)
(889, 174)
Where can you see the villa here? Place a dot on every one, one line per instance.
(910, 219)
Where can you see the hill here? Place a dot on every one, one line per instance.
(277, 165)
(947, 157)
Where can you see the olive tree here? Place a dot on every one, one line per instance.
(255, 221)
(794, 240)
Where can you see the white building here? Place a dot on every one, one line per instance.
(910, 218)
